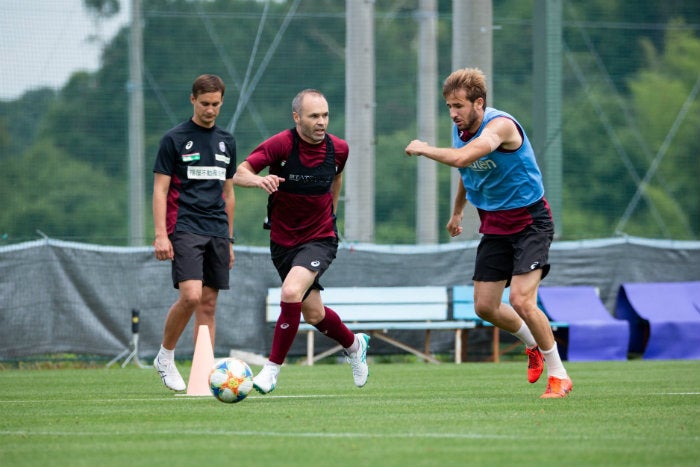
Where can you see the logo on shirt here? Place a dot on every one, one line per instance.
(222, 146)
(534, 265)
(189, 145)
(205, 173)
(190, 157)
(483, 165)
(306, 179)
(315, 263)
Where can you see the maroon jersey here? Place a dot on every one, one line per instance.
(512, 221)
(303, 212)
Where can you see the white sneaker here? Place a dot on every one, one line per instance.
(169, 374)
(358, 361)
(266, 381)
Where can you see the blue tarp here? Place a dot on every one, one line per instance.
(594, 334)
(664, 318)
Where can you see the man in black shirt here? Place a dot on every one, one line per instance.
(193, 211)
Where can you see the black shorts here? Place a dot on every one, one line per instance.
(315, 256)
(500, 257)
(200, 257)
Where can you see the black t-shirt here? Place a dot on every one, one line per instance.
(198, 160)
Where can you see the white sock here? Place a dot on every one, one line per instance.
(554, 365)
(271, 367)
(525, 336)
(166, 354)
(354, 347)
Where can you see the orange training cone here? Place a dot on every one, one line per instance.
(202, 361)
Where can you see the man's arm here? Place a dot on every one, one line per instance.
(335, 190)
(162, 245)
(454, 225)
(498, 132)
(230, 207)
(248, 178)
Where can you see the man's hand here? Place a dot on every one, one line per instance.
(269, 183)
(417, 147)
(163, 248)
(454, 226)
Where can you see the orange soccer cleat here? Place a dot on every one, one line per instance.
(557, 388)
(535, 364)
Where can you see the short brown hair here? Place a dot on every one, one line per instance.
(296, 102)
(471, 80)
(208, 83)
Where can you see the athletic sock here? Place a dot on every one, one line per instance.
(525, 336)
(354, 347)
(332, 326)
(554, 365)
(166, 354)
(285, 331)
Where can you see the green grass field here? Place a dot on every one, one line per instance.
(636, 413)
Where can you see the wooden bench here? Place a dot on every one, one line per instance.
(379, 310)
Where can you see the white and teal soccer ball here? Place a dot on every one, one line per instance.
(230, 380)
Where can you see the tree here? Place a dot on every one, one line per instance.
(20, 120)
(633, 81)
(61, 197)
(660, 94)
(612, 134)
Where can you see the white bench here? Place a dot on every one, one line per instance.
(379, 310)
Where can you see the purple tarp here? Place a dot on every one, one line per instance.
(664, 318)
(594, 334)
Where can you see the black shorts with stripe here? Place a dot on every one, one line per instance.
(316, 255)
(500, 257)
(201, 257)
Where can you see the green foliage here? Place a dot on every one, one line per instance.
(624, 136)
(407, 415)
(251, 210)
(20, 119)
(395, 185)
(61, 196)
(597, 179)
(668, 120)
(674, 221)
(95, 137)
(624, 84)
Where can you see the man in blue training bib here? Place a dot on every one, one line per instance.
(500, 177)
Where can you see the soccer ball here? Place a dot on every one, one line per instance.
(230, 380)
